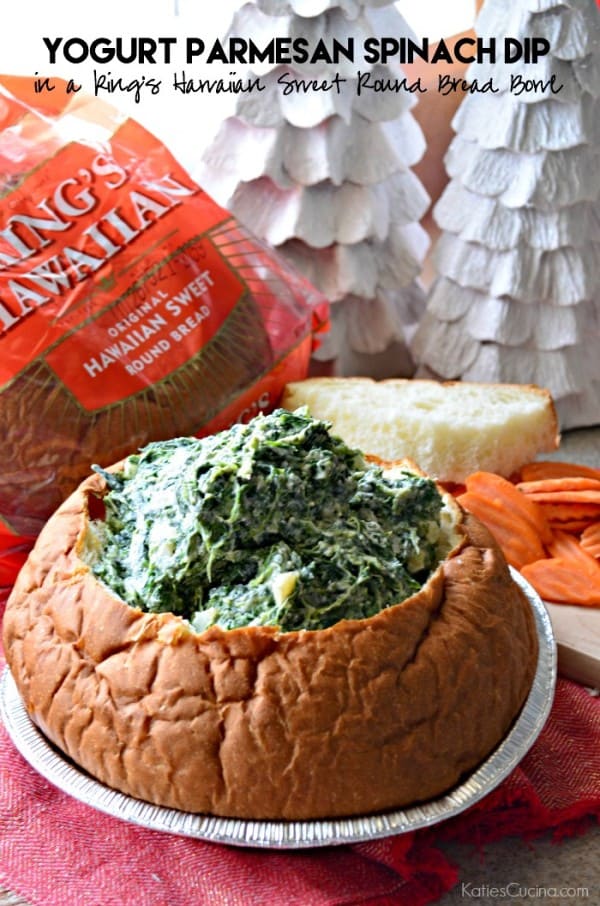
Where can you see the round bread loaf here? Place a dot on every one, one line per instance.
(366, 715)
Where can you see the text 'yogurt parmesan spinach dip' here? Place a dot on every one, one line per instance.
(275, 522)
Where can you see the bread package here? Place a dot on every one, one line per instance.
(132, 306)
(158, 631)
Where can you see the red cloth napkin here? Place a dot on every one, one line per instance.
(55, 850)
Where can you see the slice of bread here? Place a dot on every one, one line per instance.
(449, 429)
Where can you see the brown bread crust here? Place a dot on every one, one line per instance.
(367, 715)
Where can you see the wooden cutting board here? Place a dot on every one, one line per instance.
(577, 633)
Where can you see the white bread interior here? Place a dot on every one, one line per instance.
(449, 429)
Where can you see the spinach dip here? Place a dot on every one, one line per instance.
(275, 522)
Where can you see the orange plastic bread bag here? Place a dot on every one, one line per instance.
(132, 306)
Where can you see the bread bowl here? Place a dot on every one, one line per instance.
(364, 715)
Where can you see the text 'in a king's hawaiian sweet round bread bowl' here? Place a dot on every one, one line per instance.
(265, 624)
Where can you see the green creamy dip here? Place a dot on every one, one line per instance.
(275, 522)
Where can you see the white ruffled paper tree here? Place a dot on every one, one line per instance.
(517, 297)
(325, 177)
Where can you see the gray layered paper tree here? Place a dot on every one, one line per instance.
(517, 298)
(325, 177)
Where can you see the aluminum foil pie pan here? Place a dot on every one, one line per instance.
(52, 764)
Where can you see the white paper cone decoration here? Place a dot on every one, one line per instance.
(310, 8)
(332, 25)
(517, 294)
(540, 180)
(333, 150)
(325, 176)
(324, 214)
(360, 269)
(470, 216)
